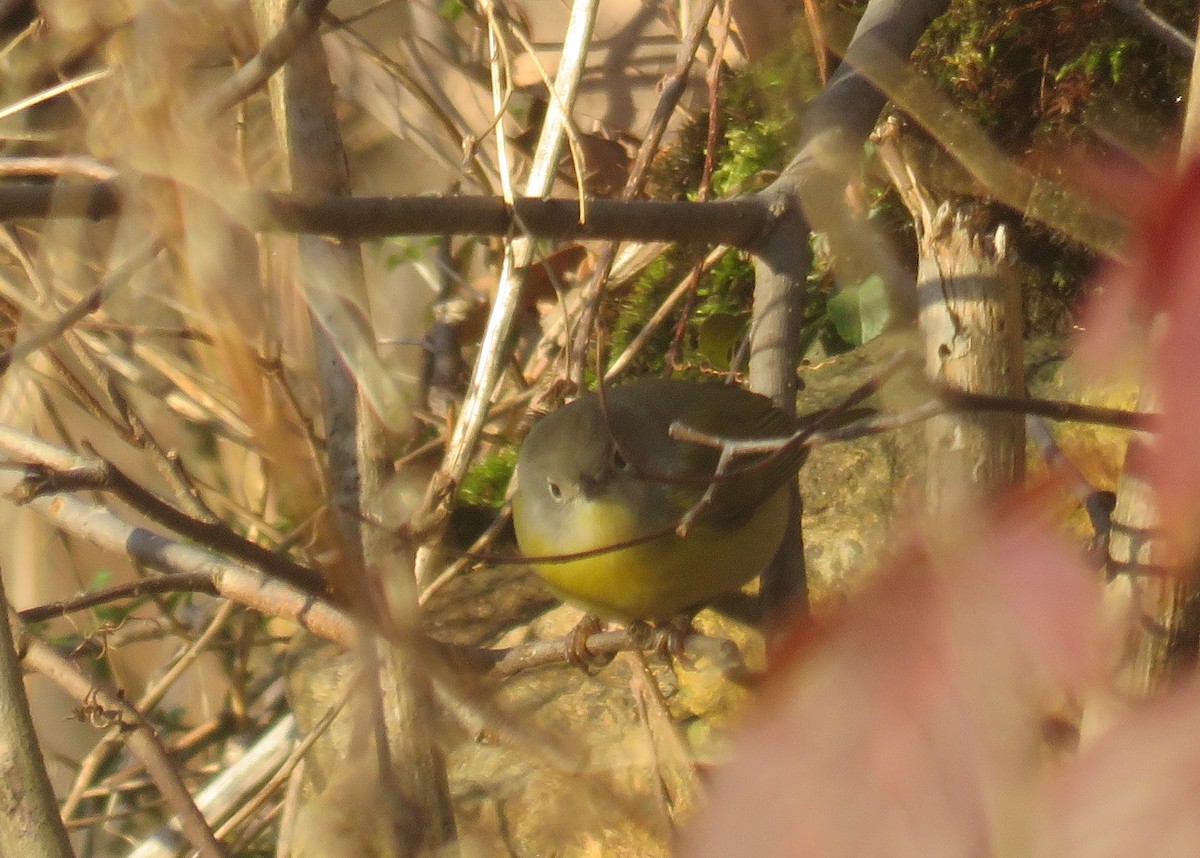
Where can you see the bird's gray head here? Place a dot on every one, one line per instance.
(582, 453)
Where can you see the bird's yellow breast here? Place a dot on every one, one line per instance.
(655, 580)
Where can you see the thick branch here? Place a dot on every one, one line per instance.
(1157, 26)
(738, 223)
(301, 22)
(154, 551)
(808, 194)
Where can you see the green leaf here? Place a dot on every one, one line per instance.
(718, 335)
(451, 10)
(860, 312)
(103, 578)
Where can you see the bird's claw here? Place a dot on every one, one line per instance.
(670, 638)
(576, 648)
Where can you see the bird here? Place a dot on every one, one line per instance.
(602, 478)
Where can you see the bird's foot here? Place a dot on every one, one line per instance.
(669, 639)
(576, 649)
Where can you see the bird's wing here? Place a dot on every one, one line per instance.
(735, 414)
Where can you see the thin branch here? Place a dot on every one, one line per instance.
(685, 287)
(100, 702)
(517, 256)
(509, 661)
(49, 469)
(704, 191)
(101, 475)
(1072, 412)
(302, 21)
(231, 580)
(182, 582)
(498, 525)
(58, 166)
(375, 81)
(84, 307)
(99, 756)
(223, 795)
(283, 770)
(671, 90)
(44, 95)
(948, 400)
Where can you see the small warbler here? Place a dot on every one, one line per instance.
(595, 476)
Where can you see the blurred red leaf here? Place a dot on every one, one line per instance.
(1135, 790)
(1163, 279)
(911, 726)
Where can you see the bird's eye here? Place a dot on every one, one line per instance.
(618, 460)
(555, 490)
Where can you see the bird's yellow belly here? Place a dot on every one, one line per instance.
(661, 578)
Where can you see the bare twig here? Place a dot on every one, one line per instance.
(283, 771)
(671, 90)
(712, 79)
(230, 579)
(184, 582)
(499, 523)
(956, 401)
(98, 757)
(1074, 412)
(301, 22)
(685, 287)
(376, 82)
(816, 32)
(57, 165)
(44, 95)
(225, 794)
(102, 475)
(128, 424)
(108, 705)
(517, 257)
(723, 653)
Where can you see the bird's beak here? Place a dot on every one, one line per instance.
(591, 486)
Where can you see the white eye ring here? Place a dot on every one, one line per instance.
(555, 490)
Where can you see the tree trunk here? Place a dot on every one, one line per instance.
(969, 314)
(970, 318)
(1167, 636)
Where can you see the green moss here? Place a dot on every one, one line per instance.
(1037, 77)
(757, 127)
(758, 109)
(487, 480)
(1045, 79)
(1034, 73)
